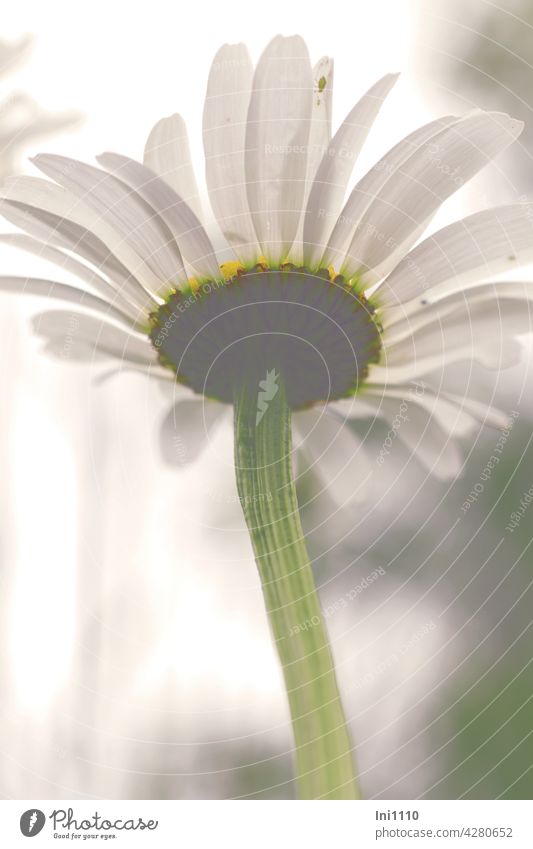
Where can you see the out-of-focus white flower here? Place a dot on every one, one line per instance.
(332, 291)
(22, 120)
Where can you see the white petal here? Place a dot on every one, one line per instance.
(168, 155)
(370, 185)
(450, 415)
(75, 336)
(336, 453)
(107, 196)
(60, 291)
(98, 283)
(319, 139)
(224, 132)
(277, 135)
(401, 320)
(481, 245)
(187, 428)
(329, 187)
(501, 355)
(70, 236)
(398, 327)
(454, 413)
(57, 209)
(504, 354)
(163, 375)
(375, 275)
(352, 408)
(413, 193)
(483, 413)
(321, 111)
(422, 434)
(461, 334)
(172, 391)
(185, 227)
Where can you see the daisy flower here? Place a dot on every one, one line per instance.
(315, 307)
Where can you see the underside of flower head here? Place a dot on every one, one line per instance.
(330, 286)
(312, 328)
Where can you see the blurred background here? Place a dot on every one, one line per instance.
(135, 657)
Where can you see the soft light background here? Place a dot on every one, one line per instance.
(135, 659)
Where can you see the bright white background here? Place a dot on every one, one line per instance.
(132, 617)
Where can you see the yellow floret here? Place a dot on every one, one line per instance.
(230, 269)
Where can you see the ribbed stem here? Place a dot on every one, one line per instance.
(263, 462)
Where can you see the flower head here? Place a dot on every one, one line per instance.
(336, 293)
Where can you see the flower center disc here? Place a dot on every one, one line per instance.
(317, 333)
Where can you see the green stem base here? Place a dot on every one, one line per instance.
(263, 462)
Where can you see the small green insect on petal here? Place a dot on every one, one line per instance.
(322, 83)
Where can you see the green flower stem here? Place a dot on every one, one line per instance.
(263, 462)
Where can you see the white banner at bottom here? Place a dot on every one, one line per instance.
(266, 824)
